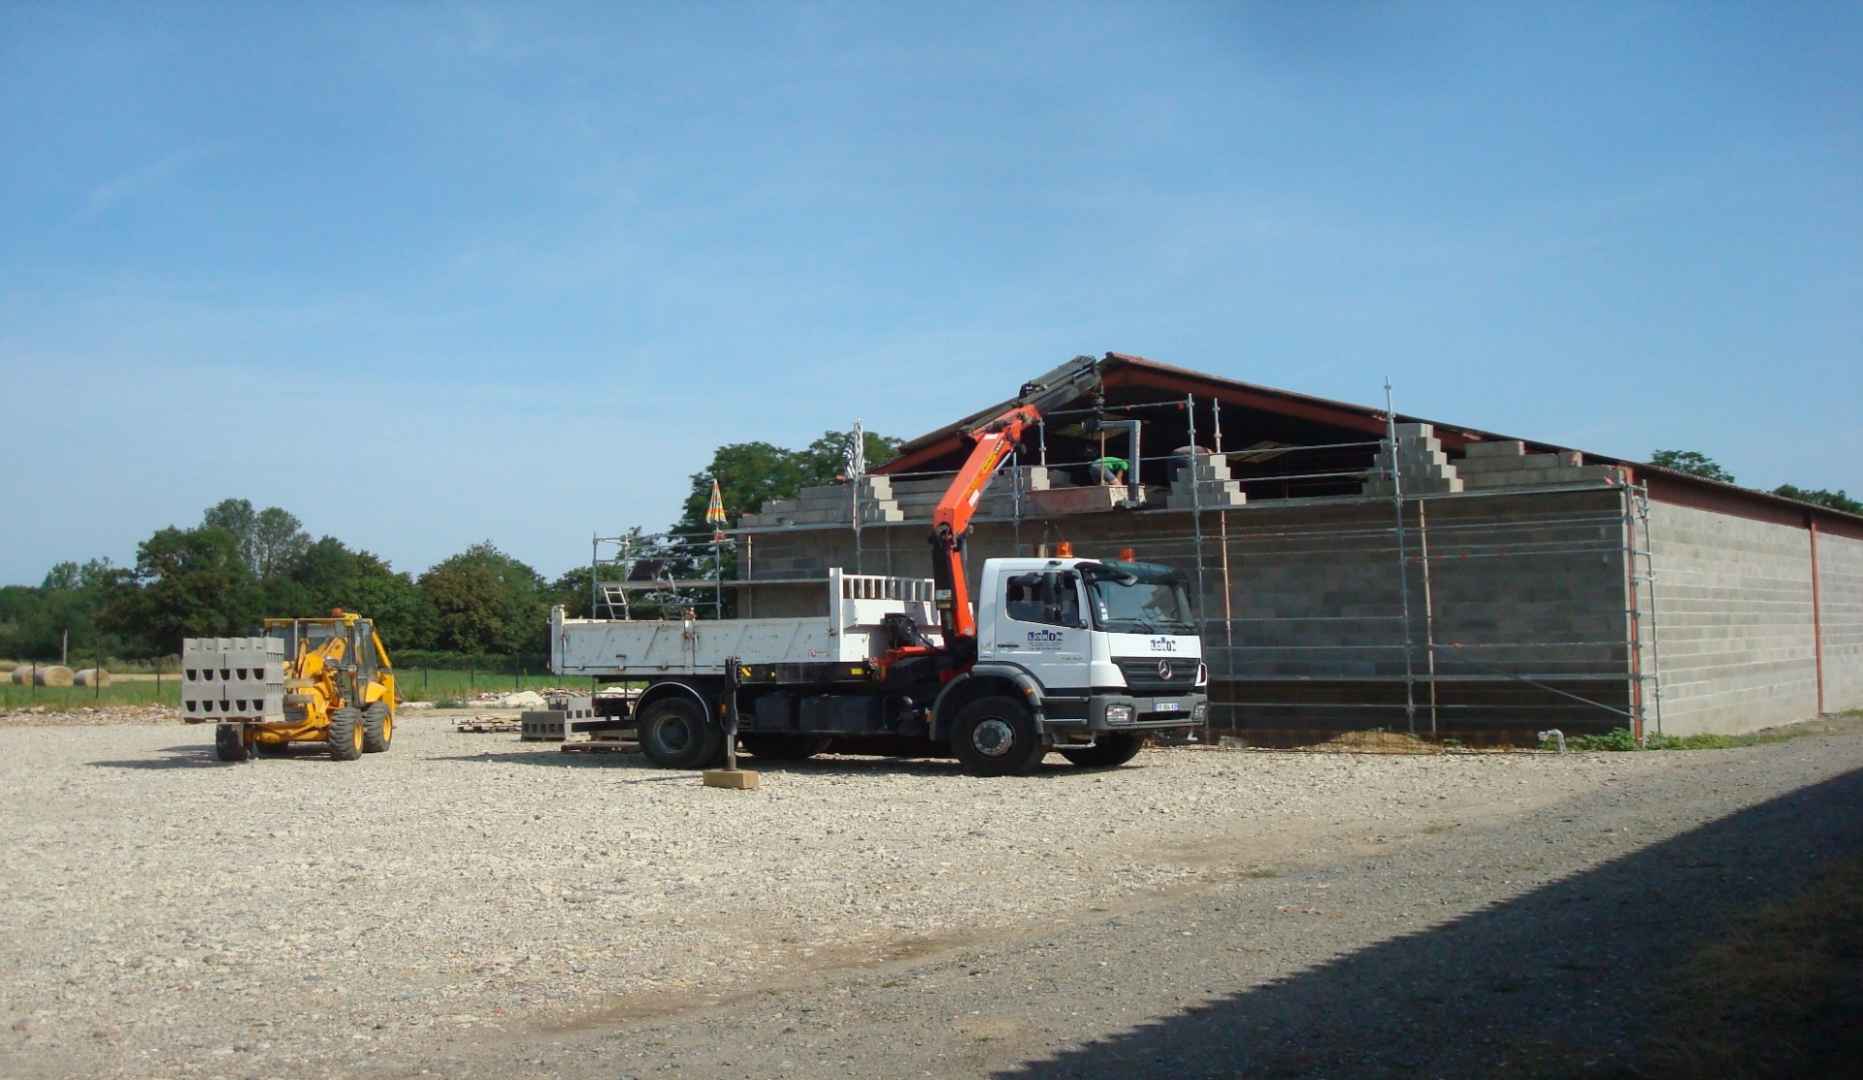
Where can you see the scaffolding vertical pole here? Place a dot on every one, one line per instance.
(1403, 568)
(1642, 497)
(1429, 608)
(1196, 518)
(595, 574)
(1222, 520)
(1015, 498)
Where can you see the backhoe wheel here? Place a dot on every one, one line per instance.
(229, 743)
(675, 734)
(1107, 751)
(378, 728)
(996, 736)
(776, 747)
(345, 733)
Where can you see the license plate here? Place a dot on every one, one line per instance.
(1167, 706)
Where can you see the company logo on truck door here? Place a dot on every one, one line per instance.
(1163, 644)
(1045, 639)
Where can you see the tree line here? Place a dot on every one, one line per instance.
(242, 563)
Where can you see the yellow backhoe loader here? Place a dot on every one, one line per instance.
(325, 680)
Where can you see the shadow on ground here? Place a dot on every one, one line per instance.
(1557, 982)
(828, 766)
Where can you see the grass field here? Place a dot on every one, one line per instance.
(416, 685)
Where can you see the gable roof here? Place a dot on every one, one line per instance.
(1138, 373)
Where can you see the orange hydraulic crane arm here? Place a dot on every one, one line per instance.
(992, 442)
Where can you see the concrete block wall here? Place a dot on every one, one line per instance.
(1505, 463)
(1315, 596)
(1734, 622)
(1840, 608)
(1419, 464)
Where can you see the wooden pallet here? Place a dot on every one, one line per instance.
(480, 726)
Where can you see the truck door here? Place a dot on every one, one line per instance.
(1041, 625)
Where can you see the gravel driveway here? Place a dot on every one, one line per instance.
(470, 899)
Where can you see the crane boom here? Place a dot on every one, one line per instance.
(991, 442)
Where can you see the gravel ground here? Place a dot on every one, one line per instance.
(169, 915)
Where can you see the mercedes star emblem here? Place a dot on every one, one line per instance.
(1164, 669)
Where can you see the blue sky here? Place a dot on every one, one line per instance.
(434, 273)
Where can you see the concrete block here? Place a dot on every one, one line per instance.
(543, 725)
(1080, 500)
(1415, 431)
(1582, 474)
(732, 779)
(1496, 448)
(1567, 459)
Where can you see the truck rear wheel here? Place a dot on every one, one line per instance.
(378, 728)
(229, 743)
(773, 747)
(1107, 751)
(675, 734)
(345, 733)
(996, 736)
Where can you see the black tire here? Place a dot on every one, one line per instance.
(229, 743)
(774, 747)
(995, 736)
(675, 734)
(378, 728)
(1107, 751)
(345, 733)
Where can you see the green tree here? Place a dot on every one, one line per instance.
(187, 583)
(328, 575)
(751, 474)
(1693, 462)
(485, 601)
(278, 538)
(1836, 500)
(239, 519)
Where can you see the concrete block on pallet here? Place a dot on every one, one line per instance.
(543, 725)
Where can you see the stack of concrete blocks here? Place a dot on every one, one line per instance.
(553, 724)
(831, 504)
(1419, 465)
(232, 679)
(1505, 463)
(1205, 483)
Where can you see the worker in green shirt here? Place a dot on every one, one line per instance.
(1110, 470)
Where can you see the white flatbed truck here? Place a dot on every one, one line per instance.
(1079, 656)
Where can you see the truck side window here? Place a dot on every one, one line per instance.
(1022, 598)
(1050, 599)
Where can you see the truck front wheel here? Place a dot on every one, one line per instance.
(996, 736)
(1107, 751)
(674, 734)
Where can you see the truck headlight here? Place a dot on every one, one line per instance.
(1119, 714)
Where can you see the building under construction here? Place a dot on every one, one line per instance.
(1362, 570)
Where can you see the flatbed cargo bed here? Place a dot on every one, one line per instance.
(851, 630)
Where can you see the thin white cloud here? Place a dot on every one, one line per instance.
(127, 185)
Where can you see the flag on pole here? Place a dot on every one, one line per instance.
(715, 512)
(855, 453)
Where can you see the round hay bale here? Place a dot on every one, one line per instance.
(22, 676)
(8, 665)
(91, 676)
(53, 675)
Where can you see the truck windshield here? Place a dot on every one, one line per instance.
(1138, 598)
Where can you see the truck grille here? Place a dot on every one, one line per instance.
(1143, 676)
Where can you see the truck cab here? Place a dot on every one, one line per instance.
(1110, 645)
